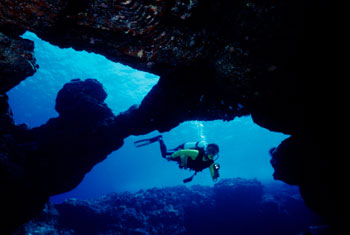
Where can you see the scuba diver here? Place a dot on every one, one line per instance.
(192, 155)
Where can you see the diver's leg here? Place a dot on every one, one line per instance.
(171, 151)
(180, 160)
(163, 149)
(166, 153)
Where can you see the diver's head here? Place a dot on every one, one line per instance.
(212, 150)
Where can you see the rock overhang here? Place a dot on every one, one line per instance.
(243, 59)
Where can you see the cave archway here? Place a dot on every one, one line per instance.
(235, 57)
(33, 102)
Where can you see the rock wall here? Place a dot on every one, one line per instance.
(17, 61)
(52, 159)
(216, 60)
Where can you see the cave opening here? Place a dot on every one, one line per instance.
(244, 145)
(257, 63)
(33, 100)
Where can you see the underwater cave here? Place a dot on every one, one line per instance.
(244, 145)
(244, 149)
(81, 81)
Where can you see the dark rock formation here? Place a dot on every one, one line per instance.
(52, 159)
(297, 162)
(17, 61)
(67, 147)
(233, 206)
(216, 59)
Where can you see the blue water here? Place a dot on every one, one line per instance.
(244, 146)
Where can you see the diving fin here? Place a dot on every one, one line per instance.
(189, 179)
(145, 142)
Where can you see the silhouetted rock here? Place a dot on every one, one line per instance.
(216, 60)
(54, 157)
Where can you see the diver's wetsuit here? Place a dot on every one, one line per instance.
(200, 145)
(190, 155)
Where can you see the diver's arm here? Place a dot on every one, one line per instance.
(213, 173)
(192, 153)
